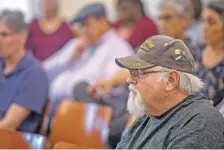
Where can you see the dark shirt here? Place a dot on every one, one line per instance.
(213, 79)
(193, 124)
(27, 86)
(43, 45)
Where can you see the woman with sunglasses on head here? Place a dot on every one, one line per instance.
(210, 64)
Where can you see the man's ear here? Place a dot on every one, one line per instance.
(173, 81)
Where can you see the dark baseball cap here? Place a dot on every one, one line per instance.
(94, 9)
(161, 51)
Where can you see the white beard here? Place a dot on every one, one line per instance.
(135, 105)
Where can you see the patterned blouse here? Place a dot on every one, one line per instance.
(213, 79)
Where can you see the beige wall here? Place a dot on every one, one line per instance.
(69, 7)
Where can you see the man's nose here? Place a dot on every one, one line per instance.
(131, 80)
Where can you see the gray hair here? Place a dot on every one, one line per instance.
(189, 83)
(14, 19)
(182, 8)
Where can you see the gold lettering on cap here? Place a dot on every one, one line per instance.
(177, 52)
(150, 44)
(136, 64)
(144, 47)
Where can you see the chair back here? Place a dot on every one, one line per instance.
(81, 123)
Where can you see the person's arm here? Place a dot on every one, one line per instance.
(56, 63)
(102, 87)
(119, 78)
(15, 115)
(31, 97)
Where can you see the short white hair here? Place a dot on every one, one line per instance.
(188, 83)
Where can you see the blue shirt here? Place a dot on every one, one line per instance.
(26, 85)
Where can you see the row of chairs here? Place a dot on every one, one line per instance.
(79, 123)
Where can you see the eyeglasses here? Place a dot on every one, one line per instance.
(139, 75)
(165, 17)
(6, 34)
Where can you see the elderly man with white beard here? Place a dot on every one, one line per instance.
(165, 92)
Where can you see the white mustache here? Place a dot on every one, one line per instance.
(134, 102)
(132, 88)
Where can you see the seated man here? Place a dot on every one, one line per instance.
(87, 59)
(165, 92)
(24, 86)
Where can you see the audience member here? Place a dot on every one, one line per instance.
(23, 83)
(88, 58)
(164, 91)
(171, 14)
(210, 65)
(48, 33)
(133, 24)
(175, 16)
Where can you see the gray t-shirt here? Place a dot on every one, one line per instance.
(193, 124)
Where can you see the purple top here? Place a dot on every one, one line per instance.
(44, 45)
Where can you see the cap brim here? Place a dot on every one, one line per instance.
(77, 19)
(133, 62)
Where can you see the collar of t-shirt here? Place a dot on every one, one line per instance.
(22, 64)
